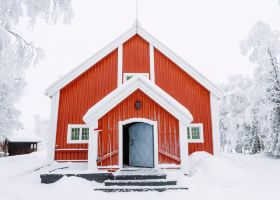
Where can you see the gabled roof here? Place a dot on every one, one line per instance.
(136, 29)
(149, 88)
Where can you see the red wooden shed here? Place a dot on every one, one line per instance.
(134, 103)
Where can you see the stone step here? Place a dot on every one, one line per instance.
(139, 189)
(145, 182)
(138, 176)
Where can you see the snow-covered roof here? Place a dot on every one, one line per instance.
(149, 88)
(136, 29)
(22, 136)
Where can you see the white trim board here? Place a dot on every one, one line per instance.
(149, 88)
(215, 124)
(152, 63)
(120, 64)
(53, 126)
(155, 135)
(136, 29)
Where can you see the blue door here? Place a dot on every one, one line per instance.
(141, 145)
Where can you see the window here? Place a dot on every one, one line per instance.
(77, 133)
(195, 133)
(128, 76)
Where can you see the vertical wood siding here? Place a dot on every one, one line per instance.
(189, 93)
(93, 85)
(78, 96)
(168, 127)
(136, 55)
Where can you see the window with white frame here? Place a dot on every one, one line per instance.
(77, 133)
(127, 76)
(195, 133)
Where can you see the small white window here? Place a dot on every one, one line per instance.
(195, 133)
(128, 76)
(77, 133)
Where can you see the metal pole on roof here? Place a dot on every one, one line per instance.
(136, 23)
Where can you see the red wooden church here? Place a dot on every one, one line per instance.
(133, 104)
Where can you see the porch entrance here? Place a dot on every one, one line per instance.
(138, 145)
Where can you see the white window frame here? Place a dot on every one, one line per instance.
(191, 140)
(125, 75)
(80, 141)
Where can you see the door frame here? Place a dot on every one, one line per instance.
(155, 134)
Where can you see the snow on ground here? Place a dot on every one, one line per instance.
(229, 176)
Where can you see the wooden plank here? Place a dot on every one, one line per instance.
(108, 156)
(169, 155)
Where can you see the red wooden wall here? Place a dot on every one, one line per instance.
(78, 96)
(136, 55)
(189, 93)
(168, 127)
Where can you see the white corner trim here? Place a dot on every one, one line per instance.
(120, 64)
(200, 126)
(125, 75)
(80, 141)
(93, 146)
(184, 148)
(146, 86)
(53, 126)
(155, 135)
(215, 124)
(136, 29)
(152, 63)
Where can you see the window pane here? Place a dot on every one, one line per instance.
(188, 133)
(85, 133)
(195, 133)
(129, 77)
(75, 132)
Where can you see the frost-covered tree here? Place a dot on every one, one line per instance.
(17, 54)
(232, 108)
(263, 48)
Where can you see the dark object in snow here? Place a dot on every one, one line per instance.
(98, 177)
(18, 148)
(18, 144)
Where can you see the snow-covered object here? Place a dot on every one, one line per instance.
(23, 137)
(229, 176)
(17, 54)
(263, 47)
(250, 110)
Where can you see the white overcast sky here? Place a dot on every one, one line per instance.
(204, 33)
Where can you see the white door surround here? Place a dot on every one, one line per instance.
(155, 135)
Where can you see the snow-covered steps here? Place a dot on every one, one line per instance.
(140, 180)
(138, 176)
(139, 189)
(147, 182)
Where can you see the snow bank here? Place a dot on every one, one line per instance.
(228, 177)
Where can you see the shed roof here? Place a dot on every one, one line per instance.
(23, 137)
